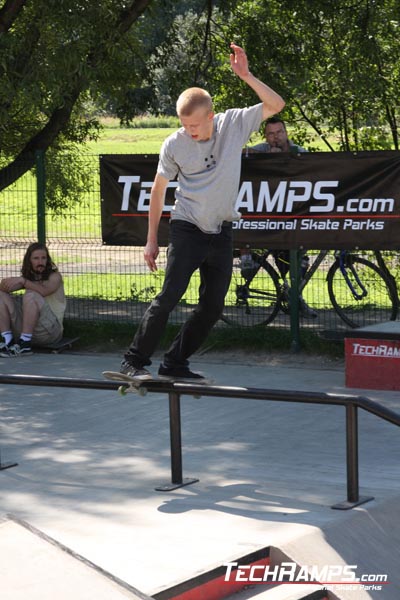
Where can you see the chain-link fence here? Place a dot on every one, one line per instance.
(112, 283)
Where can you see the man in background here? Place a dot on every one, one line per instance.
(35, 317)
(277, 140)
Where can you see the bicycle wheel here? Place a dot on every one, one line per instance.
(252, 302)
(379, 301)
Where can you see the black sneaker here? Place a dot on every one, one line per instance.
(4, 348)
(180, 373)
(23, 348)
(129, 369)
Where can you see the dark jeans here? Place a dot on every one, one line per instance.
(189, 249)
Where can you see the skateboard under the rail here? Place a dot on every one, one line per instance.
(137, 385)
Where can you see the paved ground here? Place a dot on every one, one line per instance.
(269, 473)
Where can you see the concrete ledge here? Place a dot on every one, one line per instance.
(35, 566)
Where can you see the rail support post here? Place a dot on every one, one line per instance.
(177, 480)
(353, 497)
(6, 465)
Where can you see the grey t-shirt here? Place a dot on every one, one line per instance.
(209, 171)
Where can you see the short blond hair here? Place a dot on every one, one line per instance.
(192, 99)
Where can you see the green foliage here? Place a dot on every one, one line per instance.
(55, 55)
(153, 121)
(179, 62)
(68, 171)
(336, 65)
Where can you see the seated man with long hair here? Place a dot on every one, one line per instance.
(35, 317)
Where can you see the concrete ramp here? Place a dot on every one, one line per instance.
(365, 544)
(369, 537)
(34, 566)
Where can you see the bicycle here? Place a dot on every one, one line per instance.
(360, 291)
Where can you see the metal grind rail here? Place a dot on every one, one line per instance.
(176, 390)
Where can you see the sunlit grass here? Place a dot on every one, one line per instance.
(114, 140)
(135, 287)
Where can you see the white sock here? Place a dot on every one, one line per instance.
(26, 337)
(7, 335)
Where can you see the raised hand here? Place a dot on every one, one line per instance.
(239, 62)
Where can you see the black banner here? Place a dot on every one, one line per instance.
(324, 200)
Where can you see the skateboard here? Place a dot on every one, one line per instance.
(138, 386)
(57, 347)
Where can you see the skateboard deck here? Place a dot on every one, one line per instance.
(137, 385)
(57, 347)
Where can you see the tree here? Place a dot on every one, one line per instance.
(337, 65)
(181, 55)
(54, 54)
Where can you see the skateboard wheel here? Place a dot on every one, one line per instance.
(142, 391)
(122, 390)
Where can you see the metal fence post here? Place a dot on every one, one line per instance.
(294, 299)
(41, 195)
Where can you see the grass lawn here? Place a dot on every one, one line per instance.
(115, 140)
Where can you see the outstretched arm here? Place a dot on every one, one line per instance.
(273, 103)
